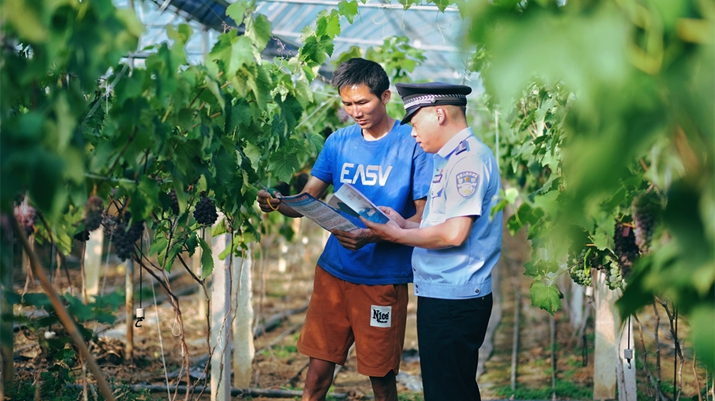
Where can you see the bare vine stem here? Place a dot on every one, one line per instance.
(651, 379)
(672, 317)
(657, 349)
(62, 313)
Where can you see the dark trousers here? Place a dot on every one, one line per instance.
(449, 334)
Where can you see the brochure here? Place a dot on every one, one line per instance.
(351, 201)
(347, 200)
(316, 210)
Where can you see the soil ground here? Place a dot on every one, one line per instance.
(283, 281)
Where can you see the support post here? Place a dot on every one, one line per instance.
(221, 320)
(201, 305)
(92, 265)
(243, 347)
(129, 307)
(576, 310)
(627, 390)
(606, 348)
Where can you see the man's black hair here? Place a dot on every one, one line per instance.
(358, 71)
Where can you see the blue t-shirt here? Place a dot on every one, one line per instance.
(392, 171)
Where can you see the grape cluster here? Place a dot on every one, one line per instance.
(82, 236)
(298, 182)
(26, 216)
(614, 278)
(109, 223)
(625, 247)
(644, 219)
(205, 212)
(174, 201)
(283, 188)
(124, 239)
(93, 213)
(578, 268)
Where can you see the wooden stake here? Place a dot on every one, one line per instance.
(605, 355)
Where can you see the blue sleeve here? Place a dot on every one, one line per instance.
(422, 165)
(323, 167)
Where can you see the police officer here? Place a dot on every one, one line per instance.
(457, 244)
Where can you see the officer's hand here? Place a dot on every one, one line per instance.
(355, 239)
(266, 202)
(389, 231)
(393, 215)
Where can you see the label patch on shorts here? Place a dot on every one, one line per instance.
(381, 316)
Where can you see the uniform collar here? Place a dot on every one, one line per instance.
(454, 142)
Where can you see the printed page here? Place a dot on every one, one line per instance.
(319, 212)
(351, 201)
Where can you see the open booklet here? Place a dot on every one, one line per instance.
(347, 199)
(351, 201)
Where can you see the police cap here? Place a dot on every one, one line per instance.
(416, 96)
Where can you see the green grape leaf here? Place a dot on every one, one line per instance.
(328, 24)
(545, 297)
(283, 163)
(315, 141)
(241, 54)
(290, 111)
(303, 93)
(236, 11)
(259, 30)
(349, 9)
(207, 261)
(540, 268)
(26, 18)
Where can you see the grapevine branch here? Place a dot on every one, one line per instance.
(174, 301)
(651, 379)
(678, 349)
(62, 313)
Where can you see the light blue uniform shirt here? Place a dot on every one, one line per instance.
(465, 182)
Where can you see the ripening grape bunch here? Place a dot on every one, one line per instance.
(577, 269)
(82, 236)
(124, 238)
(205, 213)
(93, 213)
(25, 216)
(644, 219)
(174, 201)
(109, 223)
(625, 247)
(614, 278)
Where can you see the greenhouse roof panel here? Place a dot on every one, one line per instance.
(438, 34)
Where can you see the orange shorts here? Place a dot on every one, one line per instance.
(371, 316)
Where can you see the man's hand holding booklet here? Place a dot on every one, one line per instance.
(351, 201)
(347, 200)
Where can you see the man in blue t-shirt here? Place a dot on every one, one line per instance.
(360, 287)
(457, 243)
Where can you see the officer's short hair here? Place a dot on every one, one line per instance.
(358, 71)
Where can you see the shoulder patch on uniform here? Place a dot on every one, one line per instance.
(467, 182)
